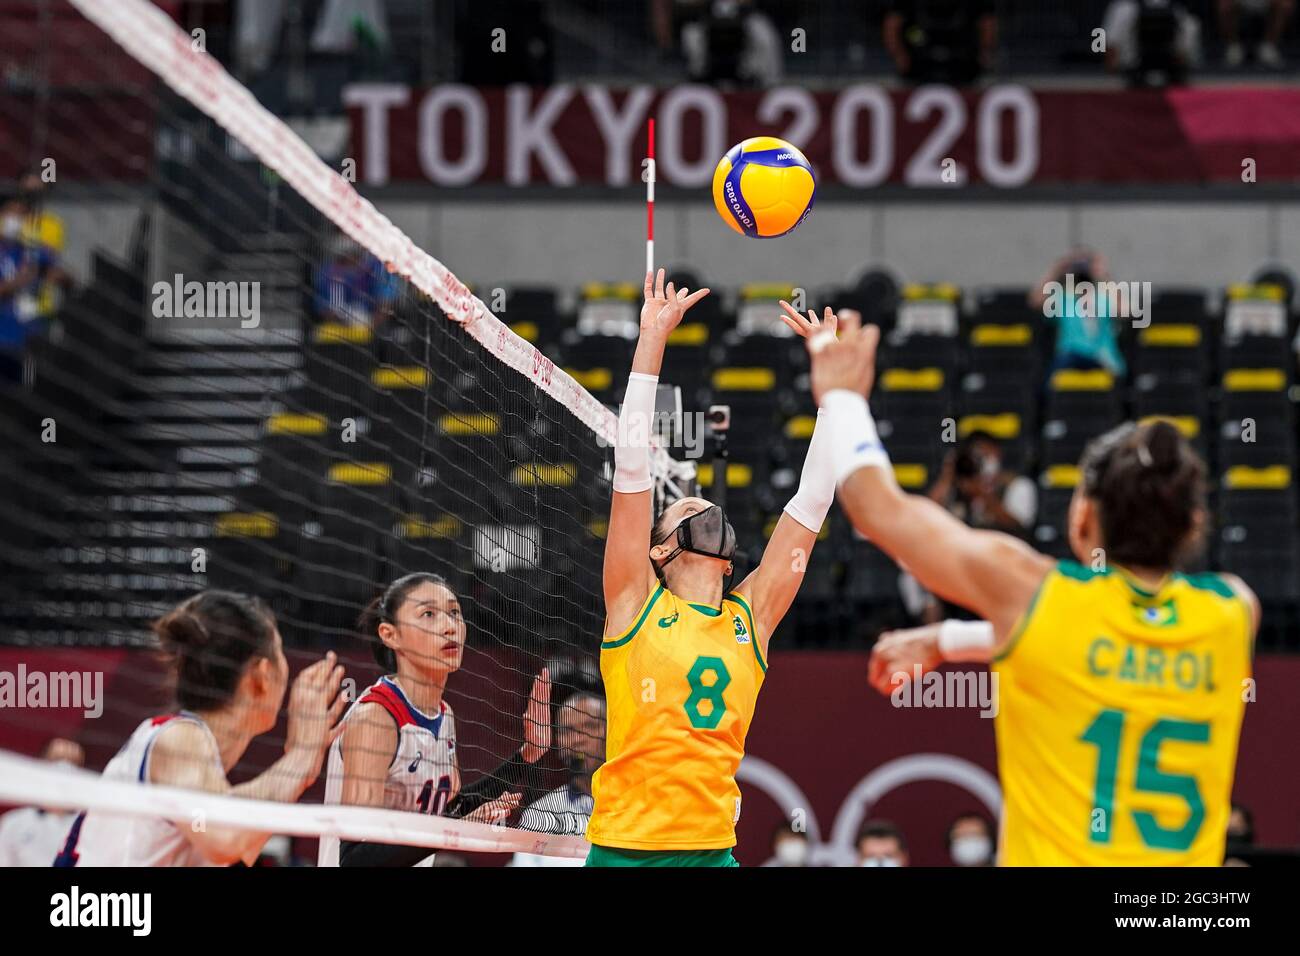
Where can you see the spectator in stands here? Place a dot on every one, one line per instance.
(941, 41)
(1273, 13)
(33, 836)
(970, 841)
(354, 288)
(977, 487)
(880, 843)
(1152, 42)
(790, 847)
(1085, 337)
(23, 267)
(580, 744)
(44, 230)
(723, 41)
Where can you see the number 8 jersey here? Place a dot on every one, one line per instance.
(681, 684)
(1119, 713)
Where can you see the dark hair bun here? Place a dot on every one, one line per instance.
(209, 639)
(1164, 445)
(1149, 485)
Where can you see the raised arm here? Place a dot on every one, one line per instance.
(628, 575)
(992, 574)
(772, 586)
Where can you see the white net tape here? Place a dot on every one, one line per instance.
(42, 784)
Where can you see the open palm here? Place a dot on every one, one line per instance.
(665, 306)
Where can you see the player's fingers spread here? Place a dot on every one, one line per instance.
(694, 297)
(798, 329)
(659, 285)
(649, 284)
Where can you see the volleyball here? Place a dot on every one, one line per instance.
(764, 187)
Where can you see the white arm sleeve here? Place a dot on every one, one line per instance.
(816, 491)
(632, 451)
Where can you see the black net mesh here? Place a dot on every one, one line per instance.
(228, 393)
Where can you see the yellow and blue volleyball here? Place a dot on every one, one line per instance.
(764, 187)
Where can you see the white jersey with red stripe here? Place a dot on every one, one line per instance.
(422, 776)
(98, 838)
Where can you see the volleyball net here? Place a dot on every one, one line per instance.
(236, 373)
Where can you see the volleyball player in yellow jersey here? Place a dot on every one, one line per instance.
(1119, 679)
(683, 658)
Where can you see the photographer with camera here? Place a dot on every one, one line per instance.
(1085, 333)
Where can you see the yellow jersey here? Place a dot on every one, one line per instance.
(1119, 712)
(681, 684)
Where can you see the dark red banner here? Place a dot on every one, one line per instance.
(822, 744)
(863, 136)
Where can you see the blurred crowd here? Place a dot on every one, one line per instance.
(751, 43)
(32, 278)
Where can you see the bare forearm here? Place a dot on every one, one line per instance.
(649, 356)
(284, 781)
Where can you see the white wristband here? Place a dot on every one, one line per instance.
(635, 421)
(854, 441)
(966, 641)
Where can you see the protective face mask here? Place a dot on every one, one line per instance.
(879, 861)
(971, 850)
(706, 532)
(792, 852)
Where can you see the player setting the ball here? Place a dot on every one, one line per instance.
(1119, 677)
(684, 656)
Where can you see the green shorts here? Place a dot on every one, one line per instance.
(613, 856)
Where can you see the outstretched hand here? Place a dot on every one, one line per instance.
(537, 719)
(664, 308)
(848, 362)
(899, 656)
(811, 325)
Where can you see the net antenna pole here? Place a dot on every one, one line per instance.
(650, 197)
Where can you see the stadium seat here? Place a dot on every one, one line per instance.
(338, 365)
(911, 407)
(1170, 353)
(1009, 425)
(599, 363)
(609, 309)
(1258, 536)
(686, 359)
(1056, 486)
(1080, 406)
(533, 313)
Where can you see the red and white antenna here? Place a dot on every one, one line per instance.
(650, 199)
